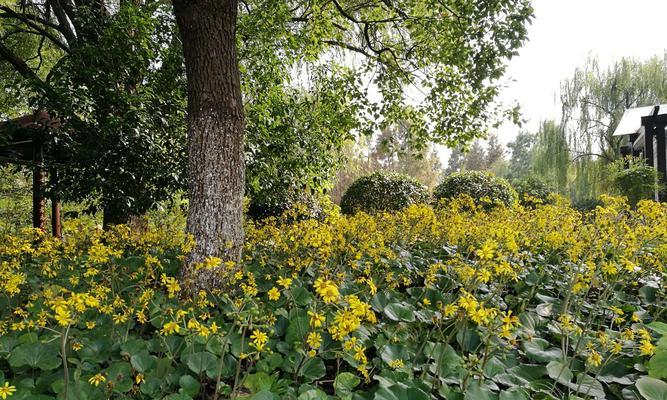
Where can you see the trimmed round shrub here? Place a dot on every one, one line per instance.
(532, 191)
(382, 191)
(298, 204)
(484, 188)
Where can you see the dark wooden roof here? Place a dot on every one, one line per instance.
(18, 135)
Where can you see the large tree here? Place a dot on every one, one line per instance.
(594, 99)
(451, 51)
(111, 71)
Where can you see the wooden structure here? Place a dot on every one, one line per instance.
(22, 142)
(646, 131)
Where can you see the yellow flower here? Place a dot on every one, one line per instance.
(139, 378)
(63, 316)
(327, 290)
(426, 302)
(398, 363)
(646, 348)
(170, 328)
(487, 250)
(76, 346)
(316, 320)
(7, 391)
(616, 347)
(284, 282)
(359, 354)
(274, 294)
(259, 339)
(90, 324)
(97, 379)
(449, 310)
(594, 359)
(314, 340)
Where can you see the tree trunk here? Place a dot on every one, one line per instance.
(215, 134)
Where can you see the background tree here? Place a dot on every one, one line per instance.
(551, 157)
(402, 44)
(574, 156)
(594, 99)
(521, 155)
(456, 160)
(387, 152)
(111, 72)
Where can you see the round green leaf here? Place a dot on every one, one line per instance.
(652, 389)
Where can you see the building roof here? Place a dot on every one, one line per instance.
(631, 122)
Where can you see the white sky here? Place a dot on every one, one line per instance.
(563, 35)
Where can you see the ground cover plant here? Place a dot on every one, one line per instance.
(456, 302)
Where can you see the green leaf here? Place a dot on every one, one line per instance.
(189, 385)
(392, 352)
(297, 329)
(345, 382)
(264, 395)
(559, 372)
(313, 394)
(302, 296)
(657, 365)
(659, 327)
(313, 369)
(143, 361)
(35, 355)
(120, 375)
(514, 394)
(202, 362)
(589, 386)
(477, 391)
(400, 312)
(258, 382)
(538, 350)
(95, 351)
(652, 389)
(132, 347)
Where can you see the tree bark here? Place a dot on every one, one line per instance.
(215, 134)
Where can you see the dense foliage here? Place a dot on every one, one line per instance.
(454, 303)
(532, 190)
(382, 191)
(299, 204)
(483, 187)
(633, 178)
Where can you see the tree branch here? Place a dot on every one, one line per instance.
(22, 68)
(28, 20)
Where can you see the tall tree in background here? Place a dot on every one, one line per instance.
(455, 50)
(456, 161)
(387, 152)
(594, 99)
(521, 158)
(551, 158)
(495, 152)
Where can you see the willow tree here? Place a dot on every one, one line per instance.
(595, 98)
(551, 155)
(449, 53)
(593, 102)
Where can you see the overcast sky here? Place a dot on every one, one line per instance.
(563, 35)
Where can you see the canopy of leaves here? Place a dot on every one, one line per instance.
(313, 74)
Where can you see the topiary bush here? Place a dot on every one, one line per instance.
(533, 190)
(383, 191)
(299, 204)
(484, 188)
